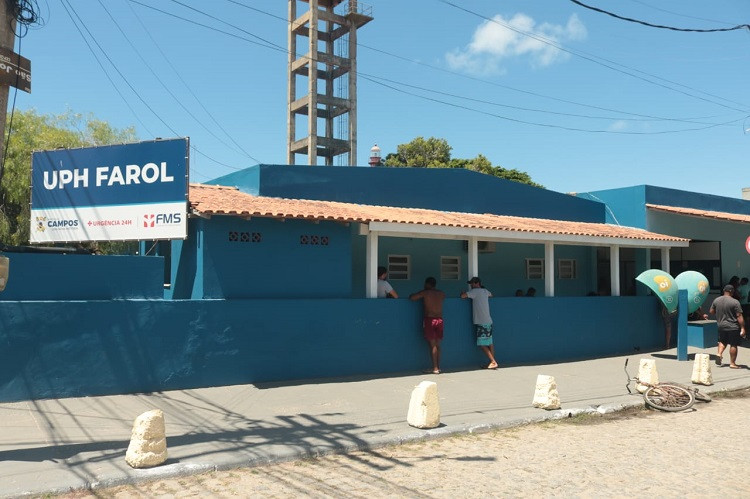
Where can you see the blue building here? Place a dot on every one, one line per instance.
(716, 226)
(276, 277)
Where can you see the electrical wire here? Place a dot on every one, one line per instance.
(372, 78)
(681, 15)
(10, 123)
(687, 120)
(607, 63)
(456, 73)
(177, 73)
(127, 82)
(156, 76)
(545, 125)
(26, 14)
(660, 26)
(497, 104)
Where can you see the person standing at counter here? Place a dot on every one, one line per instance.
(432, 322)
(480, 311)
(385, 290)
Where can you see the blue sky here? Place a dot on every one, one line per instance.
(579, 100)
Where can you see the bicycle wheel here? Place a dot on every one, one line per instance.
(700, 396)
(669, 398)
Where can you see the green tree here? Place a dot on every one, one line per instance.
(33, 132)
(430, 153)
(436, 153)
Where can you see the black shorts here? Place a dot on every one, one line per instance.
(731, 337)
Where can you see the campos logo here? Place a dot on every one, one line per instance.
(42, 223)
(160, 219)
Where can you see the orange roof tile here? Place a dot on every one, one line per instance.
(208, 200)
(719, 215)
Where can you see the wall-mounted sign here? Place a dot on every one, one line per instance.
(747, 244)
(110, 193)
(15, 70)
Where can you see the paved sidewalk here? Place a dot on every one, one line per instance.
(63, 444)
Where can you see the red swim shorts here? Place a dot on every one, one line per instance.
(432, 328)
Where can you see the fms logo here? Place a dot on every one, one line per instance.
(162, 219)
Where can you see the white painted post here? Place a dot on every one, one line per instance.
(614, 270)
(371, 265)
(473, 256)
(549, 269)
(665, 260)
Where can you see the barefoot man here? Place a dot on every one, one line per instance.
(480, 311)
(432, 323)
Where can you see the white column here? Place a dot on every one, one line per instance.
(549, 269)
(614, 270)
(665, 260)
(371, 265)
(473, 258)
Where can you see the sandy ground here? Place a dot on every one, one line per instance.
(701, 453)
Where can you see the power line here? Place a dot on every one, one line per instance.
(680, 15)
(660, 26)
(166, 88)
(390, 54)
(200, 103)
(607, 64)
(491, 103)
(143, 101)
(106, 73)
(545, 125)
(373, 77)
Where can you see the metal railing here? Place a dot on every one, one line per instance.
(357, 7)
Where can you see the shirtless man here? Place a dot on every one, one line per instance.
(432, 324)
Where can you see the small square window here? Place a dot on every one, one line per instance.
(535, 268)
(399, 267)
(450, 268)
(566, 269)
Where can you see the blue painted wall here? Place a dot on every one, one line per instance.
(625, 206)
(81, 348)
(264, 258)
(686, 199)
(446, 189)
(41, 276)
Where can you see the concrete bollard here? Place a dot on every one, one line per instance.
(424, 406)
(647, 373)
(148, 441)
(545, 395)
(702, 370)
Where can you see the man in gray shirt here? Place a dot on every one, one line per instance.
(480, 309)
(730, 323)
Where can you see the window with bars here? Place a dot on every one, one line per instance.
(535, 268)
(399, 267)
(566, 269)
(450, 268)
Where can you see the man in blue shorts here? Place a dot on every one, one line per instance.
(480, 309)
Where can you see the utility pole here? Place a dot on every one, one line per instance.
(7, 40)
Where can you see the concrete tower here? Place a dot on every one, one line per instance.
(327, 63)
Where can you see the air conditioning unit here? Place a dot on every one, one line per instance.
(482, 246)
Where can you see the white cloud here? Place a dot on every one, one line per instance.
(618, 126)
(502, 39)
